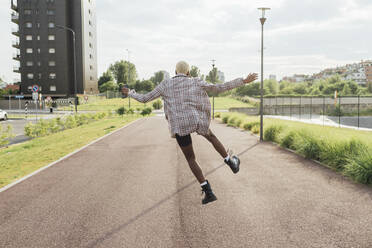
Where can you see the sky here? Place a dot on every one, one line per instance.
(300, 37)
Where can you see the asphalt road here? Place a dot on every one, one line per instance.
(134, 189)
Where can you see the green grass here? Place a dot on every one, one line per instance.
(221, 103)
(342, 149)
(18, 161)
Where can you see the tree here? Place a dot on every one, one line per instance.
(124, 72)
(212, 76)
(157, 78)
(106, 77)
(369, 87)
(195, 72)
(147, 85)
(272, 86)
(108, 86)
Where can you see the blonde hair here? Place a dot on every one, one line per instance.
(182, 67)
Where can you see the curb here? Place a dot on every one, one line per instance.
(66, 156)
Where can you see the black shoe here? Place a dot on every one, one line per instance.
(234, 163)
(209, 196)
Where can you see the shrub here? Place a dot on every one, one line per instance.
(5, 135)
(250, 125)
(121, 111)
(255, 129)
(337, 154)
(231, 121)
(217, 115)
(225, 119)
(157, 104)
(272, 133)
(360, 167)
(130, 111)
(238, 122)
(288, 140)
(146, 111)
(308, 146)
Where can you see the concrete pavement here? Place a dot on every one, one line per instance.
(134, 189)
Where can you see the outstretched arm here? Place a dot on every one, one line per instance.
(217, 88)
(143, 97)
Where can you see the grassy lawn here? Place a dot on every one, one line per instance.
(345, 150)
(221, 103)
(18, 161)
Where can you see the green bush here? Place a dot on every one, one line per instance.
(360, 167)
(238, 122)
(231, 121)
(225, 119)
(157, 104)
(272, 133)
(130, 111)
(250, 125)
(70, 122)
(256, 129)
(217, 115)
(337, 154)
(146, 111)
(308, 146)
(288, 140)
(121, 111)
(5, 135)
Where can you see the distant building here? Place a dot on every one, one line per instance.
(221, 76)
(272, 77)
(13, 87)
(368, 71)
(45, 52)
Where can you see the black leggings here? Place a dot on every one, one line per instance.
(184, 140)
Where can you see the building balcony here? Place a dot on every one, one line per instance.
(15, 31)
(16, 56)
(17, 69)
(15, 17)
(14, 6)
(15, 44)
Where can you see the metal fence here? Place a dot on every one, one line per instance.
(344, 110)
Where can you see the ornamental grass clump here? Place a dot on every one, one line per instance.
(360, 167)
(231, 122)
(249, 125)
(308, 145)
(272, 133)
(287, 141)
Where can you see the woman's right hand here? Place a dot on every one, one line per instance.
(251, 77)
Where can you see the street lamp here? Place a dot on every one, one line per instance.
(74, 55)
(128, 74)
(213, 64)
(262, 20)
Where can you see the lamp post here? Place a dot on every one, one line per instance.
(262, 20)
(74, 55)
(128, 73)
(213, 64)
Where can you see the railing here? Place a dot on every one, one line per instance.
(15, 31)
(15, 17)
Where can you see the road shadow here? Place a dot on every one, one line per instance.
(159, 203)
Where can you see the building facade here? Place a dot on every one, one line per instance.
(44, 53)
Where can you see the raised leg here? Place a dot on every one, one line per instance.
(216, 143)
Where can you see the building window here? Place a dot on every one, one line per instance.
(52, 50)
(38, 50)
(50, 12)
(51, 37)
(90, 45)
(39, 75)
(28, 37)
(28, 12)
(29, 63)
(91, 78)
(51, 25)
(30, 76)
(28, 24)
(37, 11)
(38, 37)
(29, 50)
(90, 12)
(90, 23)
(53, 88)
(38, 25)
(90, 34)
(52, 63)
(90, 56)
(38, 63)
(52, 75)
(91, 67)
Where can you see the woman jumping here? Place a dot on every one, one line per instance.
(187, 109)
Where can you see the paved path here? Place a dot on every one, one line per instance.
(134, 189)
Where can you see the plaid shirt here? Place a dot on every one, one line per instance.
(186, 103)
